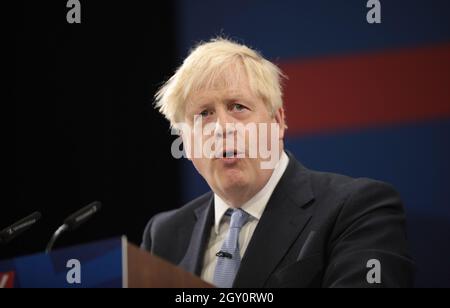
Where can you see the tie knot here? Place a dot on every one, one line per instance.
(238, 218)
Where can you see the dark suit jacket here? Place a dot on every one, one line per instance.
(318, 230)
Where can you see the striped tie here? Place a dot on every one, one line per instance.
(229, 257)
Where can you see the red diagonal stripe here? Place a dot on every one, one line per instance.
(367, 90)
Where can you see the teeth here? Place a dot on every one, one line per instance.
(229, 154)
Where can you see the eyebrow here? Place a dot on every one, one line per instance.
(231, 98)
(234, 98)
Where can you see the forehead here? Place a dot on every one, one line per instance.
(219, 95)
(230, 82)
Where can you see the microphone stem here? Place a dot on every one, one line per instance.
(55, 236)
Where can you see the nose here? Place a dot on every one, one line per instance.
(224, 124)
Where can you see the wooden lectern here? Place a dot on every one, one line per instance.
(148, 271)
(113, 263)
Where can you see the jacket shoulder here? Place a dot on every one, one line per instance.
(343, 188)
(168, 221)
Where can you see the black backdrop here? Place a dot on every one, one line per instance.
(85, 128)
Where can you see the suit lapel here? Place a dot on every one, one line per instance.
(284, 218)
(204, 217)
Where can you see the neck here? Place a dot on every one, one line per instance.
(242, 195)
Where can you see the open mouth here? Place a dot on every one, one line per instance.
(231, 154)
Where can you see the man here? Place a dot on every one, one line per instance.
(267, 224)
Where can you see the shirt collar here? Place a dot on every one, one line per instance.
(257, 204)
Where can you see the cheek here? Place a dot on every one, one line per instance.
(193, 146)
(273, 134)
(264, 136)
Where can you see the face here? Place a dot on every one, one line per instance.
(231, 168)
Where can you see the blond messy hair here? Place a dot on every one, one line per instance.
(209, 60)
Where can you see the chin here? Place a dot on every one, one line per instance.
(234, 180)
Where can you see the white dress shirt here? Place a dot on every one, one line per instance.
(255, 207)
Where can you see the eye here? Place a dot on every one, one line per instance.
(204, 113)
(238, 108)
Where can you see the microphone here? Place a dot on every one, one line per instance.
(74, 221)
(224, 254)
(9, 233)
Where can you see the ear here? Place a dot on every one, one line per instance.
(280, 119)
